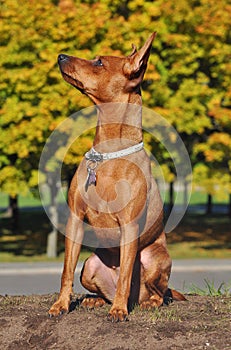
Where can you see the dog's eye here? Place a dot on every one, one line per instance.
(98, 63)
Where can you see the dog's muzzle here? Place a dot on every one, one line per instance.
(62, 58)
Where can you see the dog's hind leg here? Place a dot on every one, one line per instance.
(155, 272)
(100, 275)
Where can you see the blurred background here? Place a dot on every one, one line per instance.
(187, 82)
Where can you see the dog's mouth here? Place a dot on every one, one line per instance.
(74, 82)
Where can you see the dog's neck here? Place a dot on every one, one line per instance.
(119, 124)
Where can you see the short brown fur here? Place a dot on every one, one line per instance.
(133, 264)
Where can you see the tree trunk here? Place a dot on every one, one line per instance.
(171, 197)
(13, 210)
(52, 237)
(185, 203)
(229, 210)
(209, 204)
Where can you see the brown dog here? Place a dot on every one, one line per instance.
(114, 190)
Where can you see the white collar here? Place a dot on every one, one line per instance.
(97, 156)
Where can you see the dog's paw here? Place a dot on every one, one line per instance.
(59, 308)
(151, 303)
(117, 315)
(91, 303)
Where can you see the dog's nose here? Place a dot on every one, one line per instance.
(62, 58)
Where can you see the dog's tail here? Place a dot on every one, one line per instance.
(172, 294)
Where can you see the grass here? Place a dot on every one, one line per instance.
(31, 200)
(24, 201)
(6, 257)
(201, 236)
(197, 235)
(28, 242)
(198, 250)
(161, 314)
(210, 289)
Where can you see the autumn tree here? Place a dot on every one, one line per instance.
(187, 81)
(34, 98)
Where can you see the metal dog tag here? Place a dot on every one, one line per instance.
(91, 178)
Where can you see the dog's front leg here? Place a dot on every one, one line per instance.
(73, 240)
(128, 251)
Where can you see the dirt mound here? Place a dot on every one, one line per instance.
(199, 323)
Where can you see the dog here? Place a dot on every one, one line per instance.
(113, 190)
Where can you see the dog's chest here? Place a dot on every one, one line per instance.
(116, 192)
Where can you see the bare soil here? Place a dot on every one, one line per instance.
(202, 322)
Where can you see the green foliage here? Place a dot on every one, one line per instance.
(187, 81)
(211, 180)
(210, 289)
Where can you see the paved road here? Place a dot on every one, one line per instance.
(42, 278)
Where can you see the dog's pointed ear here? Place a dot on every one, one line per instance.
(134, 50)
(137, 60)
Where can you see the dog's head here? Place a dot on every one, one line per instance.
(107, 78)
